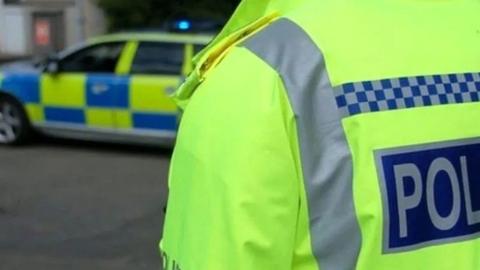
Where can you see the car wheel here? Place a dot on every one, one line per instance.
(14, 125)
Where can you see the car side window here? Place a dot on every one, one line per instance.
(159, 58)
(100, 58)
(198, 48)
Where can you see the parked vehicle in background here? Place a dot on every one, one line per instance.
(113, 88)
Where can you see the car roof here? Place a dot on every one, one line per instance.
(201, 39)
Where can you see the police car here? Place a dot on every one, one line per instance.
(112, 88)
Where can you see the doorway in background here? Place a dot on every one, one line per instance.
(48, 32)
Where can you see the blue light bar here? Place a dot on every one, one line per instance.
(183, 25)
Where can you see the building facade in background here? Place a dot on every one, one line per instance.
(40, 27)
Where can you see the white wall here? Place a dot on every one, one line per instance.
(14, 31)
(72, 35)
(95, 22)
(1, 26)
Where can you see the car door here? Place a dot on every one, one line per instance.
(155, 73)
(85, 90)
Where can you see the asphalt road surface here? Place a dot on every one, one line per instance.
(73, 205)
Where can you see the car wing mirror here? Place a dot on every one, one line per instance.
(52, 66)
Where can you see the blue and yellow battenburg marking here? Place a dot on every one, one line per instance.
(26, 87)
(99, 101)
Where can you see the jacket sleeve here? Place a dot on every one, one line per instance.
(234, 179)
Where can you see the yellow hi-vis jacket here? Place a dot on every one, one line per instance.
(332, 135)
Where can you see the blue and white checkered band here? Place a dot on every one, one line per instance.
(400, 93)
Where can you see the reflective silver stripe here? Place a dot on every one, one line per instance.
(326, 157)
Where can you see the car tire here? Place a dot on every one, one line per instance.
(14, 125)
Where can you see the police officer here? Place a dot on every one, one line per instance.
(332, 135)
